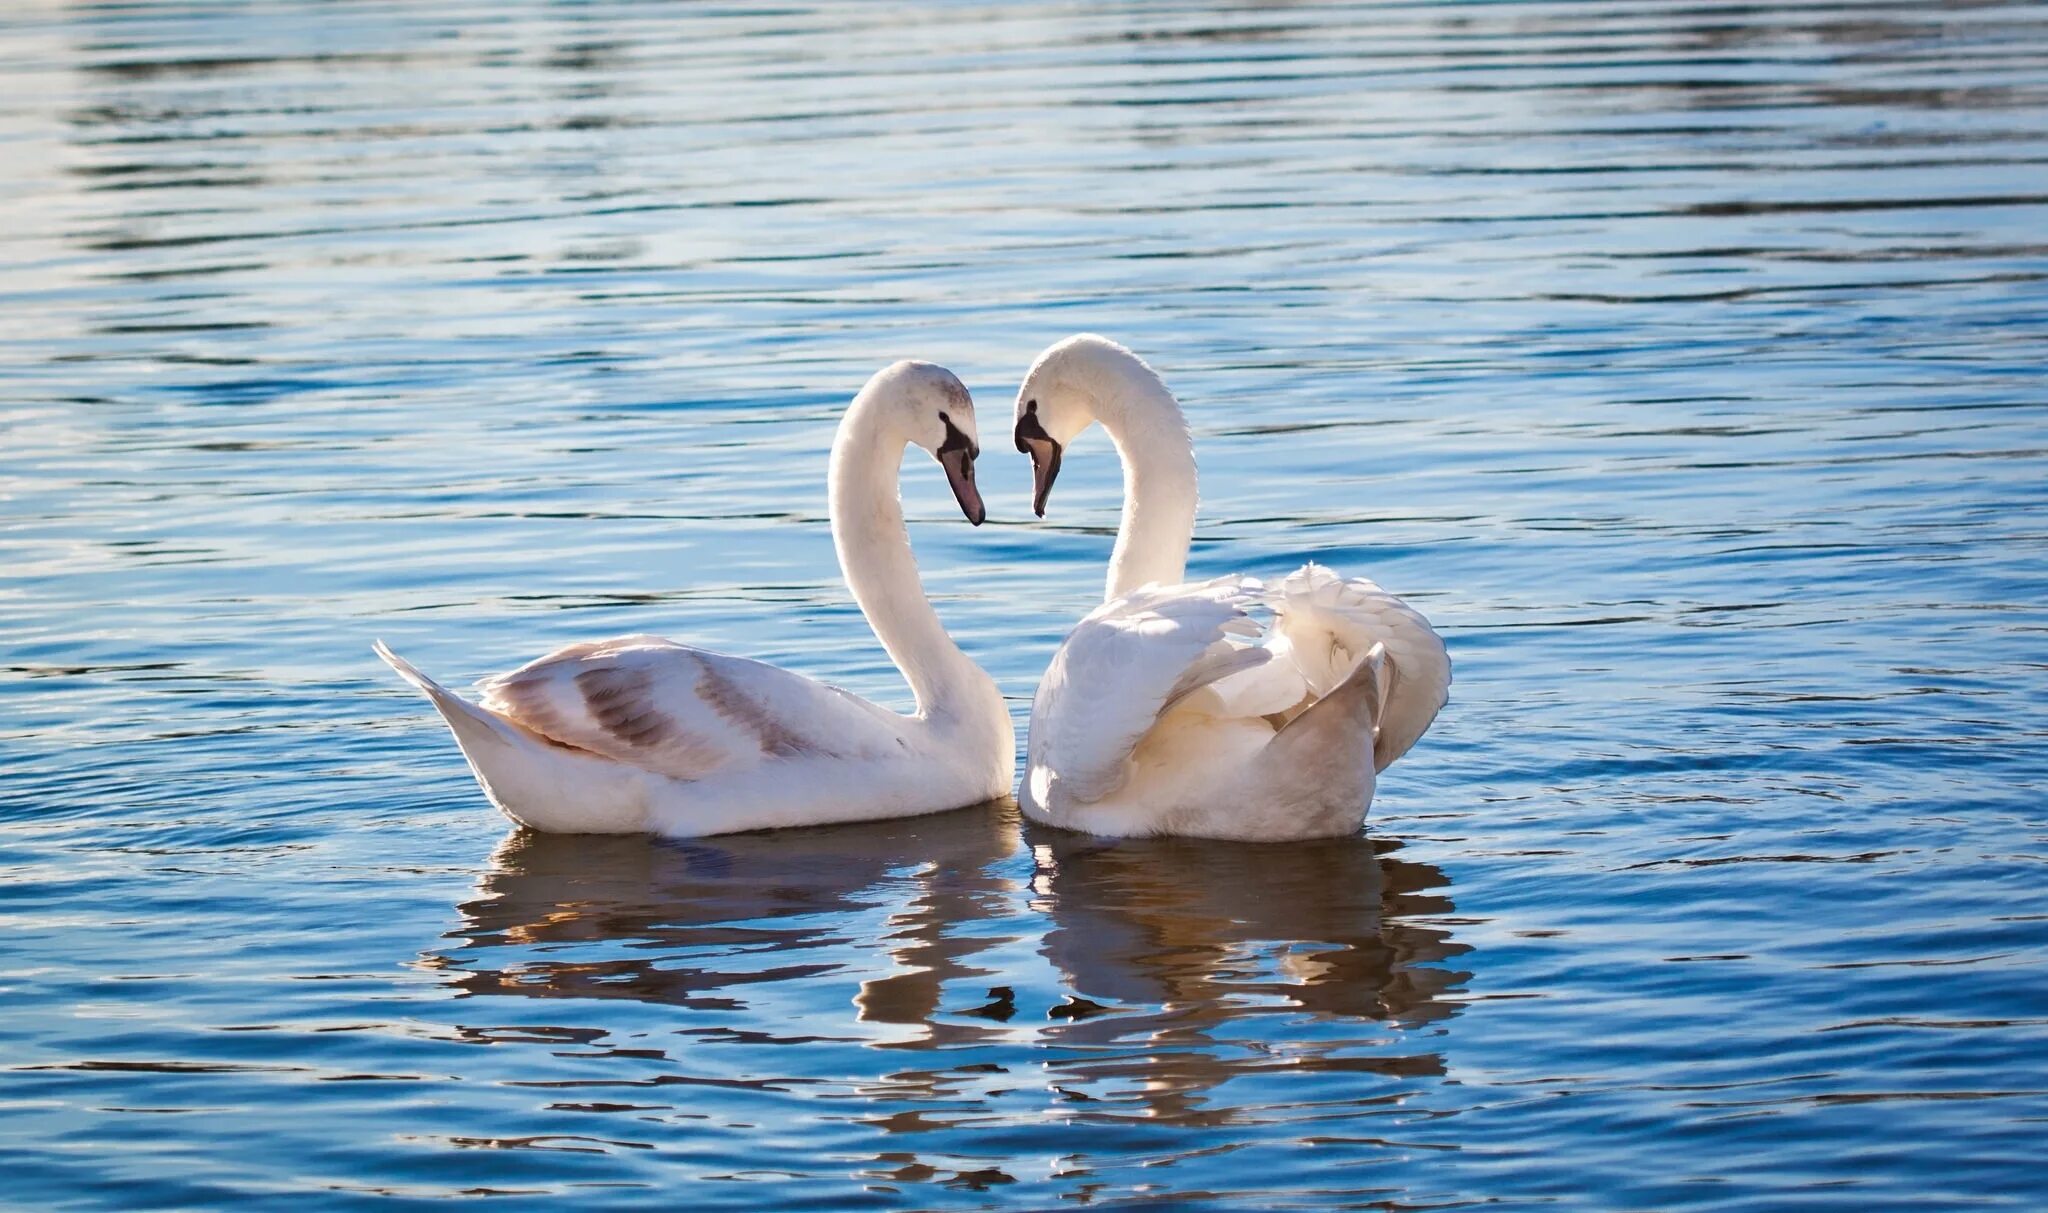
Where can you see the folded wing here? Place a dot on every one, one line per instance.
(681, 711)
(1129, 662)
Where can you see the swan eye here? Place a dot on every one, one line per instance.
(1030, 406)
(957, 441)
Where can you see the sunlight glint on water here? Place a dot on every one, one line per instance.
(1683, 363)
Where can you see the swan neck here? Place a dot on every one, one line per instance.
(1160, 488)
(874, 556)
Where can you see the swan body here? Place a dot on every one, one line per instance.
(1227, 708)
(640, 734)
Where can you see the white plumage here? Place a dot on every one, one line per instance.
(1220, 709)
(640, 733)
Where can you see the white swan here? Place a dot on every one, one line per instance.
(644, 734)
(1169, 709)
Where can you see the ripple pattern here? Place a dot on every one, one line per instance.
(1684, 362)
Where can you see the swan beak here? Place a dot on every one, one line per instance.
(1045, 459)
(956, 455)
(959, 467)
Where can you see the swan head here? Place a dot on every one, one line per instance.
(1064, 392)
(926, 405)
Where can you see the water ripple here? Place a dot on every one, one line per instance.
(1683, 362)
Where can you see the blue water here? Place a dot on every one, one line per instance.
(1686, 363)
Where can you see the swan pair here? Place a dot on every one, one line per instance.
(1170, 709)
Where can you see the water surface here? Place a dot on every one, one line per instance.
(1684, 363)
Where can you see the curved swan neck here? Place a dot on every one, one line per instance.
(1160, 489)
(874, 555)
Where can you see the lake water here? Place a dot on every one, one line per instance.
(1684, 362)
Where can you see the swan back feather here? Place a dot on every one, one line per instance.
(1329, 623)
(678, 710)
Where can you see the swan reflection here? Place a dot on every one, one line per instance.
(1328, 926)
(696, 924)
(1163, 958)
(1178, 952)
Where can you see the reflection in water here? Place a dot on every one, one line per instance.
(602, 917)
(1200, 937)
(1168, 953)
(1193, 926)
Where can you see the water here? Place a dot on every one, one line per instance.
(1684, 363)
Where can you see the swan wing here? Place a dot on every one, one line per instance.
(1129, 662)
(683, 712)
(1328, 625)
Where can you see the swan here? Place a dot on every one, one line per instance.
(641, 734)
(1170, 709)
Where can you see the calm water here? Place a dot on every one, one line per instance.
(1684, 362)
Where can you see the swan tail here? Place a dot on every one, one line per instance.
(476, 731)
(558, 789)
